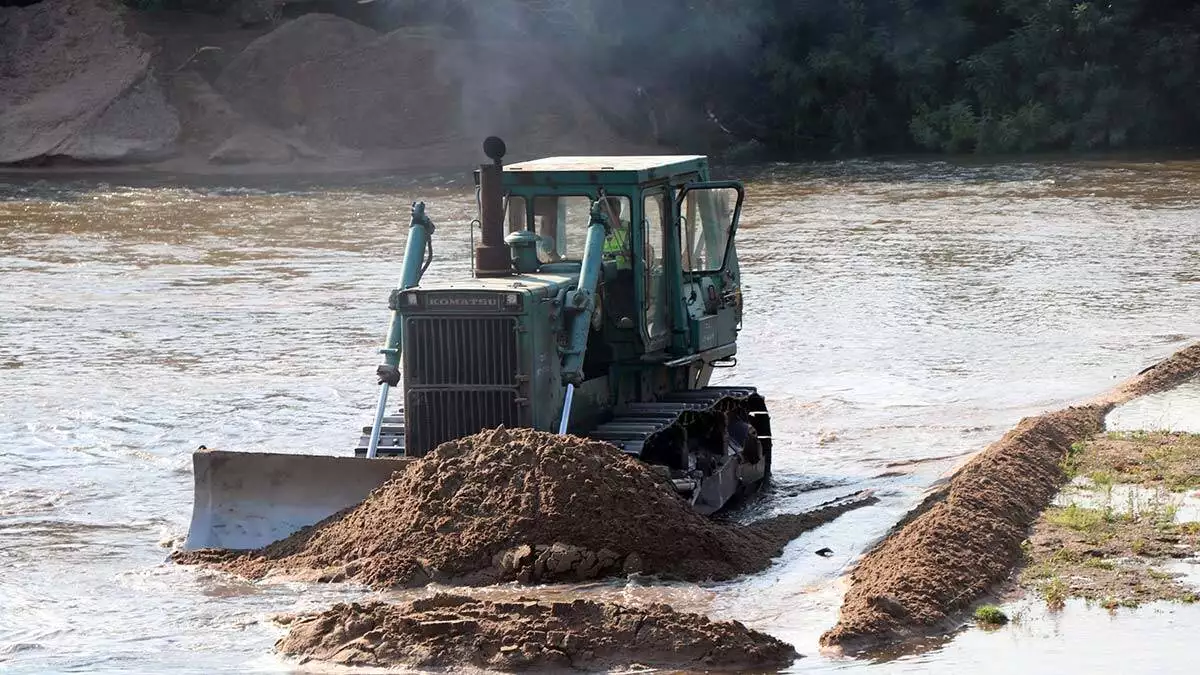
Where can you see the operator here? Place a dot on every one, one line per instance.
(619, 296)
(616, 243)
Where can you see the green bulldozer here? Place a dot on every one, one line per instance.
(604, 292)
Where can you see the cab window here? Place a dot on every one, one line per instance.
(705, 224)
(560, 222)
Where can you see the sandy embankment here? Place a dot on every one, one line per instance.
(966, 538)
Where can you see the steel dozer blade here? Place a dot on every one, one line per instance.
(245, 500)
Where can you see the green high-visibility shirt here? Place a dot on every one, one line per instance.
(616, 246)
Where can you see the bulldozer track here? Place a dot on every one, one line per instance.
(642, 426)
(658, 432)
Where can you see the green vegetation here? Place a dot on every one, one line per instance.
(1153, 459)
(991, 615)
(1105, 548)
(1070, 463)
(1055, 593)
(1102, 481)
(1111, 603)
(1079, 518)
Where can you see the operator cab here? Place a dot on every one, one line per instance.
(670, 265)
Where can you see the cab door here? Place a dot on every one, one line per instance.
(655, 323)
(708, 215)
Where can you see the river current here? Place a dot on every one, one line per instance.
(898, 316)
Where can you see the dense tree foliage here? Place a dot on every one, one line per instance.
(853, 76)
(989, 76)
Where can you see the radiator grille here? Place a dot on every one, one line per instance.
(460, 351)
(460, 376)
(435, 417)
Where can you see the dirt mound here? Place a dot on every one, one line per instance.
(1182, 365)
(261, 144)
(447, 631)
(966, 537)
(93, 80)
(521, 505)
(946, 557)
(73, 85)
(252, 80)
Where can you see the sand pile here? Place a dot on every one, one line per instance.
(73, 85)
(521, 505)
(407, 91)
(94, 80)
(253, 79)
(446, 631)
(967, 537)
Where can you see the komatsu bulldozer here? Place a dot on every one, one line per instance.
(604, 292)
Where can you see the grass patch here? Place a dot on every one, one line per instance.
(1169, 511)
(1167, 459)
(1070, 463)
(1078, 549)
(1078, 518)
(991, 615)
(1099, 563)
(1102, 481)
(1111, 603)
(1054, 592)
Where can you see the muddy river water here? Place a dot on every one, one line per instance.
(898, 316)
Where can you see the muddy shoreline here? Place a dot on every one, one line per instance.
(965, 539)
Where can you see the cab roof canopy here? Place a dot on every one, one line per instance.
(603, 169)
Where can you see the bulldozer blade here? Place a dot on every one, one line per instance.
(246, 500)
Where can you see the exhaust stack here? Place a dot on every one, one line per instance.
(492, 257)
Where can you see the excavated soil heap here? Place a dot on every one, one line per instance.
(521, 505)
(967, 537)
(447, 631)
(253, 79)
(411, 91)
(72, 84)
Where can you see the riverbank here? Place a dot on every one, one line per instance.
(967, 536)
